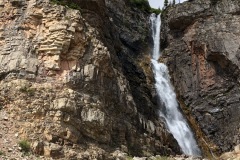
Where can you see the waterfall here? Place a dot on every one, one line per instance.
(175, 121)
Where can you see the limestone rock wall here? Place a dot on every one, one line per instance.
(78, 84)
(200, 43)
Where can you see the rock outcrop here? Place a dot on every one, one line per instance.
(234, 155)
(200, 43)
(77, 84)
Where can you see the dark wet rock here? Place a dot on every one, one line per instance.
(201, 49)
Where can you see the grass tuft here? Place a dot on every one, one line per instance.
(2, 153)
(25, 146)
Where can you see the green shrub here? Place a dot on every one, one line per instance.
(129, 158)
(25, 146)
(28, 91)
(2, 153)
(144, 6)
(156, 11)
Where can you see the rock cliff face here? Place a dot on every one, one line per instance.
(78, 84)
(201, 43)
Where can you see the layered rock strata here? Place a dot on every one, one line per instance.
(78, 84)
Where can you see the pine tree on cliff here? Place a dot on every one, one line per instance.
(173, 2)
(165, 3)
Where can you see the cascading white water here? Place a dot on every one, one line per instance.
(175, 121)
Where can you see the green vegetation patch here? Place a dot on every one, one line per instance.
(69, 3)
(162, 158)
(129, 158)
(144, 6)
(28, 91)
(2, 153)
(156, 11)
(25, 146)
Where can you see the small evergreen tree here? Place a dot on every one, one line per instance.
(173, 2)
(165, 3)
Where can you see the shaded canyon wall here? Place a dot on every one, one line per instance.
(201, 46)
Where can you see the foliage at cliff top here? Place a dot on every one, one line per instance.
(69, 3)
(144, 6)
